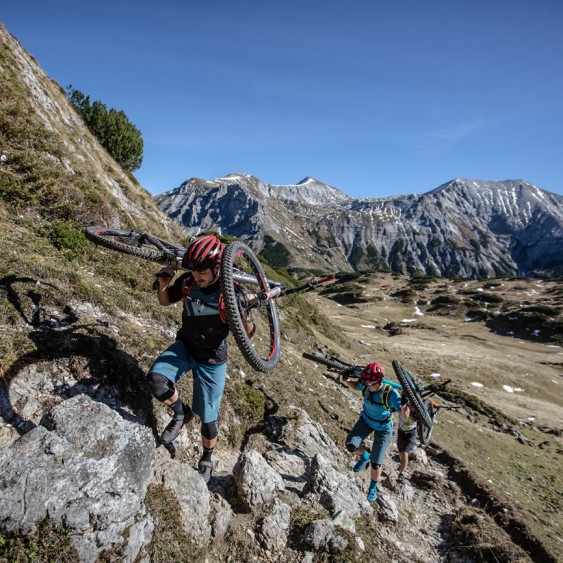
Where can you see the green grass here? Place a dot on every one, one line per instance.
(522, 476)
(170, 543)
(48, 542)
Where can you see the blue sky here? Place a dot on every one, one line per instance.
(374, 97)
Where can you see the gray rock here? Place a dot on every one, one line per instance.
(334, 490)
(388, 511)
(192, 493)
(419, 455)
(292, 465)
(322, 536)
(310, 438)
(256, 481)
(89, 472)
(275, 527)
(342, 520)
(222, 516)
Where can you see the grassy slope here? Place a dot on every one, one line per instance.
(524, 476)
(55, 180)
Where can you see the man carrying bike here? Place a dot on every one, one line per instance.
(380, 401)
(200, 346)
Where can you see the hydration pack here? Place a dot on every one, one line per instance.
(386, 391)
(186, 290)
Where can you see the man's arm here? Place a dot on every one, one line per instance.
(404, 413)
(165, 277)
(352, 383)
(248, 324)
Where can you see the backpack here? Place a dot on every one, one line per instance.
(384, 396)
(385, 402)
(187, 288)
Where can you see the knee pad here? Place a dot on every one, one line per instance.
(161, 387)
(351, 447)
(375, 465)
(209, 430)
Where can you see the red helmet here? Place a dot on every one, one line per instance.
(204, 252)
(372, 373)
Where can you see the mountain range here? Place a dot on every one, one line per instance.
(463, 228)
(82, 476)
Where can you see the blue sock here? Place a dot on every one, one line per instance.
(365, 455)
(373, 484)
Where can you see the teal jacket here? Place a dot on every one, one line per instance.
(376, 414)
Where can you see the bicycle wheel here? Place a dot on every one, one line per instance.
(412, 393)
(134, 244)
(262, 351)
(425, 432)
(325, 361)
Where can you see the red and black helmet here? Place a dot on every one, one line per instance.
(204, 252)
(372, 373)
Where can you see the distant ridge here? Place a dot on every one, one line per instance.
(466, 228)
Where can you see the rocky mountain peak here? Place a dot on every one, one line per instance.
(468, 228)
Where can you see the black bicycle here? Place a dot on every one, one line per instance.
(246, 289)
(412, 390)
(433, 407)
(420, 398)
(343, 368)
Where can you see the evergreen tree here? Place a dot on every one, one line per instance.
(112, 128)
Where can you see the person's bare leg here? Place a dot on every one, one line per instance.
(403, 461)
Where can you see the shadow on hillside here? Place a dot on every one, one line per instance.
(83, 360)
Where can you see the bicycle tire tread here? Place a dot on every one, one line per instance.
(92, 234)
(412, 394)
(233, 313)
(325, 361)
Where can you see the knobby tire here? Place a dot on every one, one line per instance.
(262, 351)
(325, 361)
(412, 393)
(425, 432)
(116, 239)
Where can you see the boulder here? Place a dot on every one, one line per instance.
(87, 468)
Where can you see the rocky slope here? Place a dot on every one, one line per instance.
(81, 475)
(464, 228)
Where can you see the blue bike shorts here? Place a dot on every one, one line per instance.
(381, 439)
(209, 381)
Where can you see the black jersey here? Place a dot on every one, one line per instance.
(203, 331)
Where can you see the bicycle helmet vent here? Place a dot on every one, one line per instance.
(372, 373)
(204, 252)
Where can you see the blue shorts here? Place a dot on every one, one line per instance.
(381, 439)
(209, 381)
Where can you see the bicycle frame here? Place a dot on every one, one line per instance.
(240, 274)
(279, 289)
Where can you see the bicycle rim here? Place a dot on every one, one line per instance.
(412, 393)
(125, 242)
(425, 432)
(263, 349)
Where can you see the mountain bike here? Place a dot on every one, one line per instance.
(420, 398)
(412, 390)
(433, 407)
(344, 369)
(247, 292)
